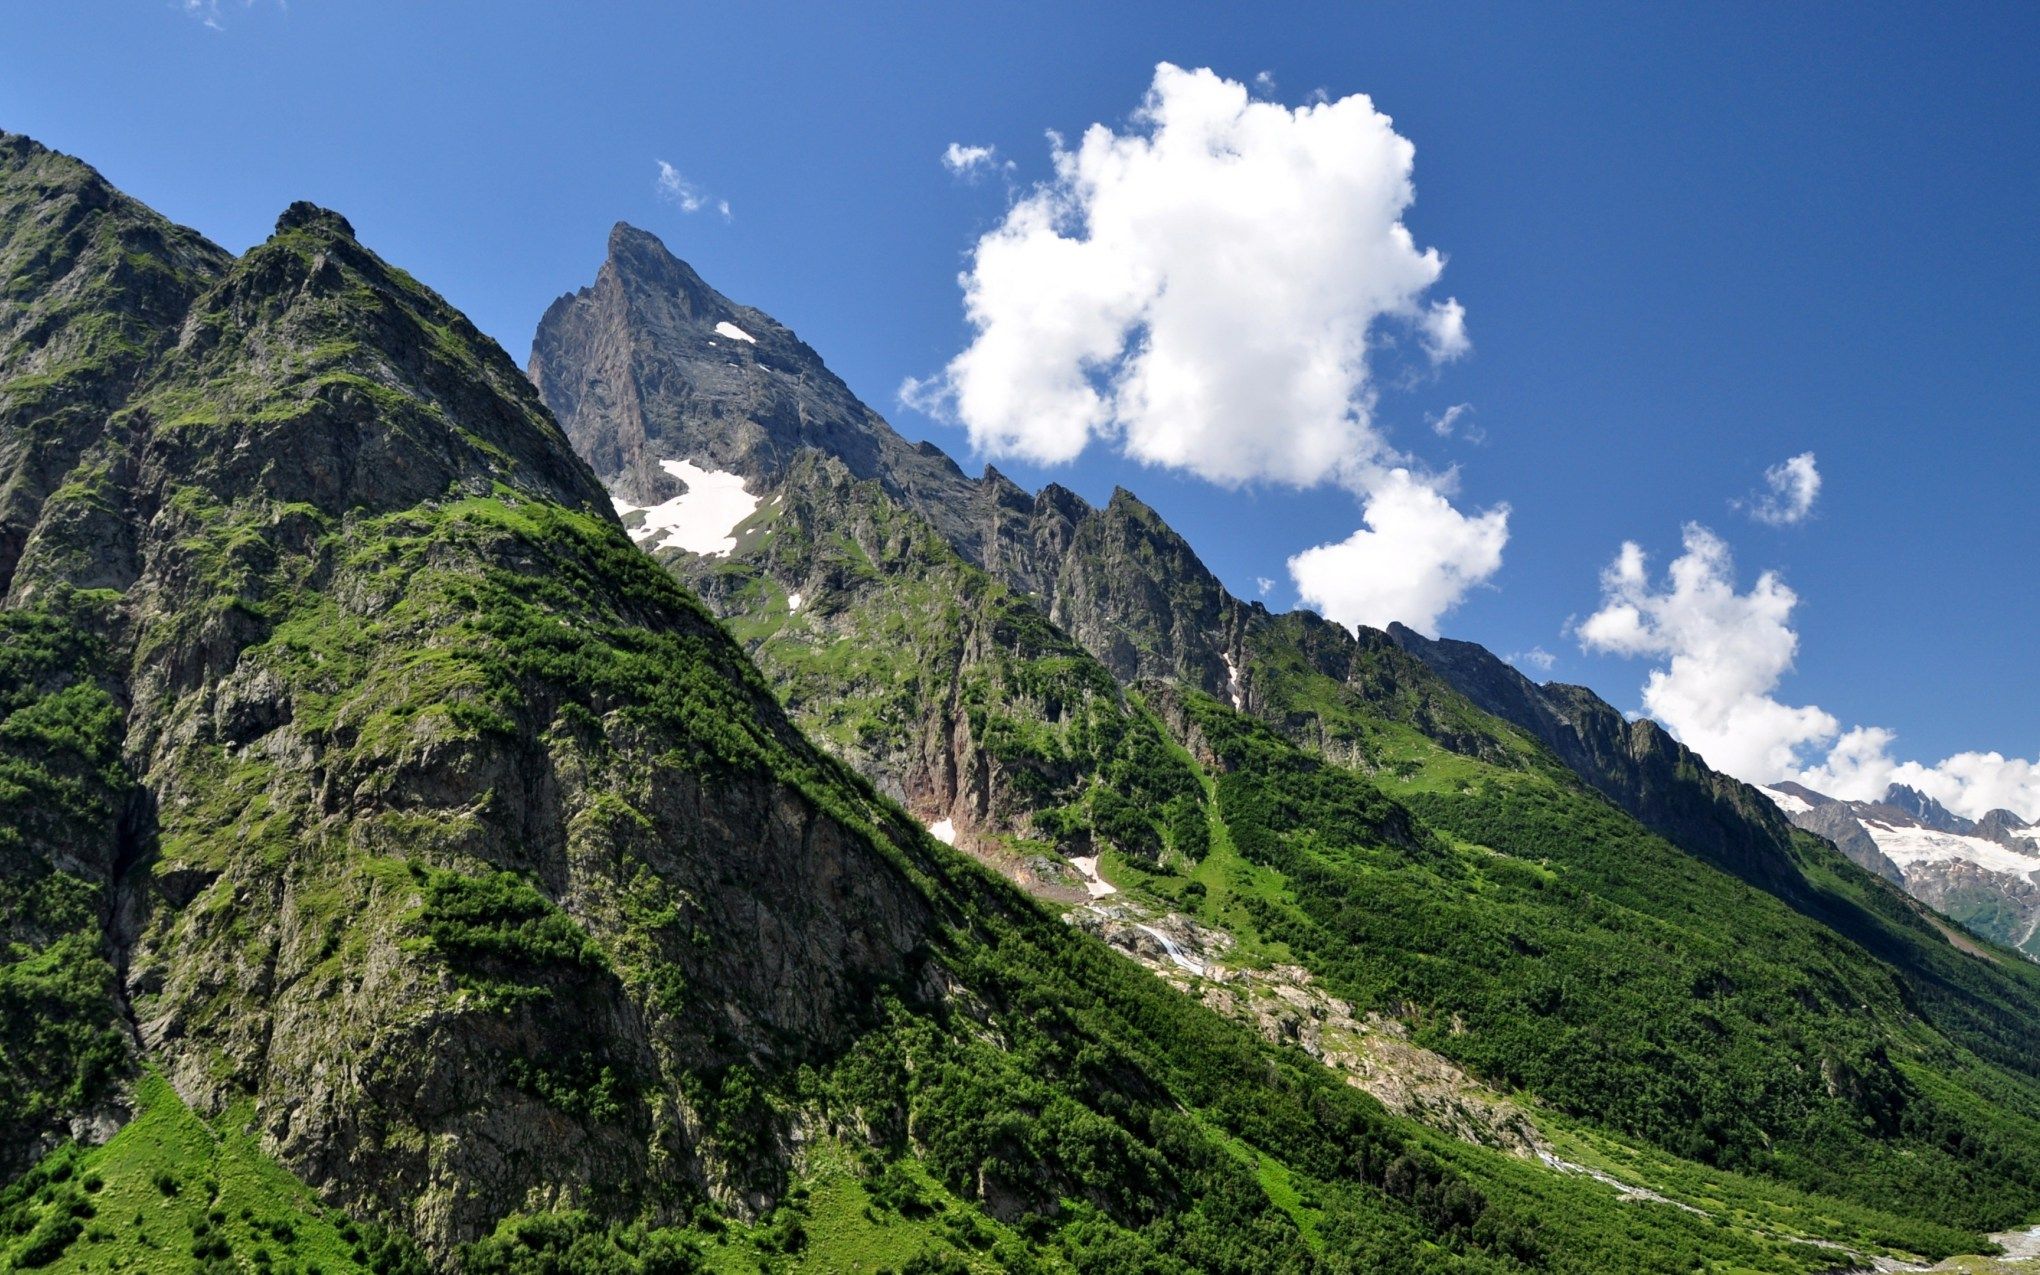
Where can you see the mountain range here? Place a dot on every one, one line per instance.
(1984, 872)
(640, 813)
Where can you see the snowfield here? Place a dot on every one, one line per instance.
(1786, 802)
(1908, 846)
(702, 520)
(1093, 885)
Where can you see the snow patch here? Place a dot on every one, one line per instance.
(1786, 802)
(734, 333)
(1093, 885)
(793, 601)
(1232, 683)
(702, 520)
(943, 830)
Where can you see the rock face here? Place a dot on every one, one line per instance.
(649, 363)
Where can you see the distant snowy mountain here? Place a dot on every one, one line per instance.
(1984, 872)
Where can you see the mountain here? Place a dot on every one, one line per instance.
(1984, 873)
(400, 870)
(1502, 908)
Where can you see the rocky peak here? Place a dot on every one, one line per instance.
(96, 286)
(364, 643)
(649, 364)
(304, 214)
(1927, 811)
(2004, 827)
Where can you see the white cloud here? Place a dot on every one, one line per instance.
(1262, 584)
(1454, 420)
(1413, 561)
(1725, 653)
(1793, 486)
(1200, 290)
(1536, 657)
(1861, 767)
(1203, 291)
(1444, 329)
(1264, 82)
(973, 162)
(673, 187)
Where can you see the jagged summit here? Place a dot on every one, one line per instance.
(1983, 872)
(1925, 809)
(304, 213)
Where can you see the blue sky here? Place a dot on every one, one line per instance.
(1690, 244)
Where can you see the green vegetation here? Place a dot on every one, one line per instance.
(1536, 935)
(172, 1192)
(61, 785)
(471, 868)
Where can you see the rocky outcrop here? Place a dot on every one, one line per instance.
(1840, 825)
(1286, 1004)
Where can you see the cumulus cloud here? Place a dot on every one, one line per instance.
(1791, 486)
(1413, 561)
(673, 187)
(1724, 652)
(1204, 291)
(972, 162)
(1861, 767)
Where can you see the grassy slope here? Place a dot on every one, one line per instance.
(173, 1192)
(1539, 937)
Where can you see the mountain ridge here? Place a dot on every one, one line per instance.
(1367, 736)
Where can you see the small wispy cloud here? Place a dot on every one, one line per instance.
(1791, 487)
(207, 12)
(673, 187)
(1263, 583)
(1454, 420)
(973, 162)
(1536, 657)
(1264, 82)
